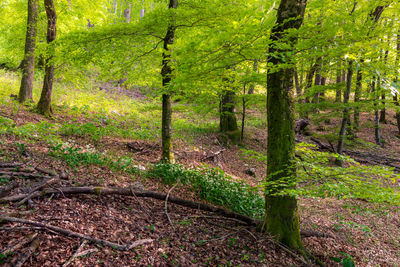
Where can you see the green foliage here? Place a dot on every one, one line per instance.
(213, 186)
(318, 176)
(346, 260)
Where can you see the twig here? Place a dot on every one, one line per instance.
(78, 235)
(69, 261)
(166, 203)
(221, 237)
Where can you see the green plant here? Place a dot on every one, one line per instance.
(214, 186)
(346, 260)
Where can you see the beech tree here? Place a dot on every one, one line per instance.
(282, 218)
(28, 63)
(44, 104)
(166, 73)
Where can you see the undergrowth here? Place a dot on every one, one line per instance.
(214, 186)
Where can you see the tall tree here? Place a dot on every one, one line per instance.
(28, 63)
(166, 73)
(44, 104)
(282, 218)
(346, 111)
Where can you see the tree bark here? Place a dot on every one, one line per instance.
(376, 127)
(227, 119)
(252, 85)
(44, 104)
(28, 63)
(395, 97)
(346, 111)
(382, 118)
(166, 73)
(282, 218)
(338, 98)
(357, 96)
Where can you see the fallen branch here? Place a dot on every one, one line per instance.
(127, 191)
(48, 172)
(79, 253)
(23, 174)
(36, 188)
(19, 244)
(9, 165)
(33, 246)
(166, 203)
(78, 235)
(7, 189)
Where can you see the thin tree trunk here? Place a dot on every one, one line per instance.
(382, 118)
(28, 63)
(44, 104)
(243, 113)
(338, 98)
(346, 111)
(376, 98)
(252, 85)
(297, 85)
(282, 218)
(317, 80)
(395, 98)
(357, 97)
(166, 73)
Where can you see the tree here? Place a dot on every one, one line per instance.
(166, 73)
(282, 218)
(44, 104)
(28, 63)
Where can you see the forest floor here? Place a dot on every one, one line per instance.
(368, 233)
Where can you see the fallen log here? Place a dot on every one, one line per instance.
(78, 235)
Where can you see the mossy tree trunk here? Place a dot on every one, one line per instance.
(28, 63)
(282, 219)
(44, 104)
(166, 73)
(227, 119)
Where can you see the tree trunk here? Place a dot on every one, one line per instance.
(382, 118)
(395, 98)
(166, 73)
(346, 111)
(44, 104)
(338, 98)
(297, 85)
(282, 218)
(255, 69)
(375, 96)
(227, 118)
(28, 63)
(357, 96)
(317, 80)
